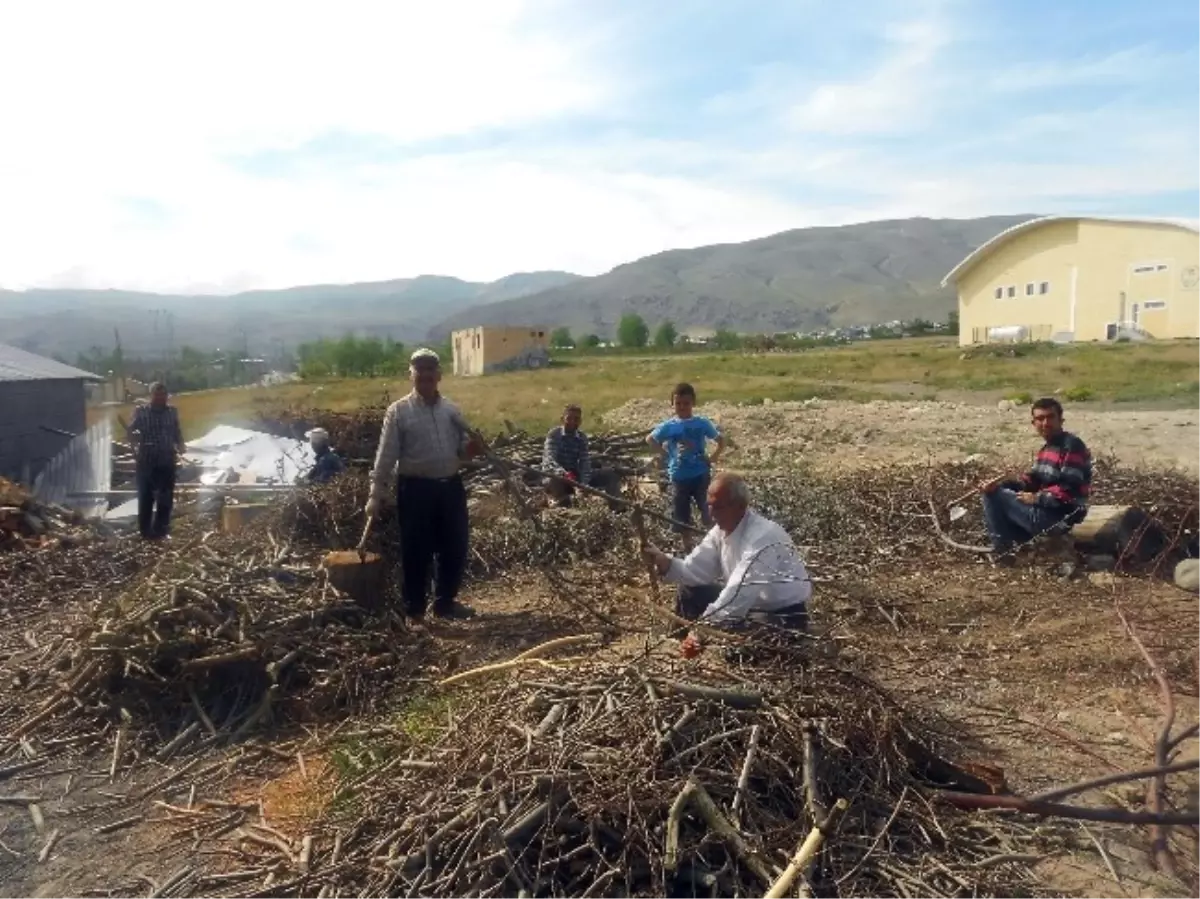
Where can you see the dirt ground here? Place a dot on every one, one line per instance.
(833, 433)
(1037, 667)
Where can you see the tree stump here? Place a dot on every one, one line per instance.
(1125, 532)
(235, 516)
(361, 578)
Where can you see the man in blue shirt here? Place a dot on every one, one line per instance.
(682, 440)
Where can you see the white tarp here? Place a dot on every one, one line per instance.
(229, 455)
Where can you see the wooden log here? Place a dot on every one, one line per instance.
(360, 577)
(1125, 532)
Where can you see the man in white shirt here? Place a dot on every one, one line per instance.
(745, 570)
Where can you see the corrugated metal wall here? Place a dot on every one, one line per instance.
(27, 408)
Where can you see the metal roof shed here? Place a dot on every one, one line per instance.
(41, 401)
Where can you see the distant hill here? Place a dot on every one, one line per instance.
(67, 322)
(798, 280)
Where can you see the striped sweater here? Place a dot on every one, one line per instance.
(1062, 472)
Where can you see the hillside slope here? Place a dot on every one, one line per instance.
(67, 322)
(796, 280)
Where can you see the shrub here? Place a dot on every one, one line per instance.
(1024, 398)
(1078, 394)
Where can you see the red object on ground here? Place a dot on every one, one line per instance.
(572, 477)
(690, 647)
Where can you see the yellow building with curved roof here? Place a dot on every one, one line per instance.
(1081, 278)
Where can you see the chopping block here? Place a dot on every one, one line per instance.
(360, 577)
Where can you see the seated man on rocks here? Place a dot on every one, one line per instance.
(1054, 490)
(745, 571)
(565, 457)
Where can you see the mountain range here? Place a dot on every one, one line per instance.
(797, 280)
(67, 322)
(806, 279)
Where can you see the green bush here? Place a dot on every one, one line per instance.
(1078, 394)
(1024, 398)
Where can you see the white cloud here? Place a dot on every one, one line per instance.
(147, 99)
(115, 162)
(1129, 66)
(895, 96)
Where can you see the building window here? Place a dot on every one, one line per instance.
(541, 333)
(1011, 291)
(1044, 287)
(1154, 304)
(1029, 289)
(999, 293)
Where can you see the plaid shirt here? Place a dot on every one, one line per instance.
(419, 439)
(1061, 473)
(565, 452)
(156, 434)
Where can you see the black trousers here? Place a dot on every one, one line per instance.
(691, 602)
(156, 497)
(433, 524)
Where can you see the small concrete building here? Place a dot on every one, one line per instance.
(43, 404)
(1081, 278)
(485, 350)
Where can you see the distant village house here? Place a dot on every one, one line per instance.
(486, 350)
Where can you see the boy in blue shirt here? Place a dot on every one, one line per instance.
(681, 440)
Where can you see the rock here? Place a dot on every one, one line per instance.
(1102, 578)
(962, 356)
(1100, 563)
(1066, 570)
(975, 457)
(767, 401)
(1187, 575)
(1006, 405)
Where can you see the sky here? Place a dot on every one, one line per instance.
(225, 146)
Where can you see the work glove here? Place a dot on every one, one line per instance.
(572, 477)
(372, 507)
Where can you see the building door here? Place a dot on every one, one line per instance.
(1150, 284)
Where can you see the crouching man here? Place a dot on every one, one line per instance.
(1053, 491)
(567, 461)
(745, 571)
(327, 464)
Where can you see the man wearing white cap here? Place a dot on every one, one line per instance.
(424, 440)
(327, 464)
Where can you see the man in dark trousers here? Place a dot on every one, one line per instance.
(157, 438)
(424, 440)
(1054, 490)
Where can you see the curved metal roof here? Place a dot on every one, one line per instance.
(21, 365)
(1009, 233)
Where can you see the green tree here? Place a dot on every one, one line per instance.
(561, 338)
(632, 331)
(920, 326)
(665, 335)
(727, 340)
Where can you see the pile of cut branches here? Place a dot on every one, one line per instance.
(604, 778)
(209, 638)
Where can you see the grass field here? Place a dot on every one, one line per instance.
(1163, 373)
